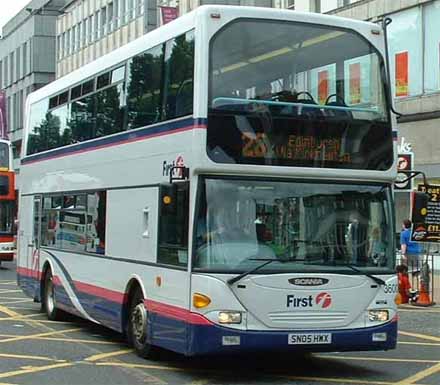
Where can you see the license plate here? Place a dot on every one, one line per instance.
(310, 338)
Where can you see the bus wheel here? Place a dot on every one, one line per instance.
(137, 328)
(49, 301)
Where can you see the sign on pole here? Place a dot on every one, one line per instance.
(404, 167)
(168, 14)
(425, 214)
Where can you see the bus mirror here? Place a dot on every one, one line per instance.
(168, 197)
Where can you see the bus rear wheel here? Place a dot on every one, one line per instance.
(49, 301)
(137, 328)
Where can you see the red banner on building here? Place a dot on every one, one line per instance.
(402, 74)
(3, 121)
(355, 83)
(322, 86)
(168, 14)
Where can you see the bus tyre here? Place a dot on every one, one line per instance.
(49, 302)
(137, 328)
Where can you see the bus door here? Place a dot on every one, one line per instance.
(33, 247)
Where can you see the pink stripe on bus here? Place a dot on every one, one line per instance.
(175, 312)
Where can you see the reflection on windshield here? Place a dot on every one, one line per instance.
(6, 216)
(297, 94)
(302, 225)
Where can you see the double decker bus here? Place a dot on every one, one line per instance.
(7, 202)
(222, 184)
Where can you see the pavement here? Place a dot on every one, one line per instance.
(36, 351)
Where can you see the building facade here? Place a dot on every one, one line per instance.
(27, 44)
(414, 53)
(89, 29)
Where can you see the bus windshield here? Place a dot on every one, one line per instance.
(297, 94)
(304, 226)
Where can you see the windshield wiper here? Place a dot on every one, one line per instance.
(378, 280)
(354, 268)
(267, 261)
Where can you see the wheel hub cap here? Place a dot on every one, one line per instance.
(139, 322)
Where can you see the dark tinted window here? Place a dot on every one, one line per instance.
(103, 80)
(4, 155)
(109, 111)
(83, 118)
(144, 88)
(173, 234)
(179, 76)
(4, 185)
(53, 102)
(88, 87)
(76, 92)
(50, 129)
(63, 98)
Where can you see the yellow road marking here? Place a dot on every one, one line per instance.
(9, 312)
(419, 343)
(37, 321)
(20, 317)
(337, 380)
(66, 340)
(420, 375)
(332, 357)
(8, 282)
(418, 335)
(146, 366)
(2, 291)
(32, 336)
(25, 357)
(34, 369)
(16, 301)
(100, 356)
(11, 298)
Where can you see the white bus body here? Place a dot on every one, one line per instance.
(93, 213)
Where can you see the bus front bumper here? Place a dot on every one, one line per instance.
(215, 339)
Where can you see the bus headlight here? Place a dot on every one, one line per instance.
(378, 315)
(229, 317)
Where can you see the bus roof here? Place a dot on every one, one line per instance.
(185, 23)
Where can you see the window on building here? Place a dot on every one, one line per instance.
(130, 10)
(96, 26)
(91, 29)
(18, 64)
(12, 77)
(140, 7)
(103, 14)
(84, 33)
(1, 74)
(144, 96)
(116, 14)
(173, 227)
(291, 4)
(179, 76)
(74, 43)
(25, 59)
(432, 47)
(406, 52)
(110, 17)
(124, 13)
(6, 71)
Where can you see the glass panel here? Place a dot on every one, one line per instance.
(432, 46)
(110, 111)
(48, 129)
(4, 155)
(96, 214)
(179, 76)
(118, 74)
(83, 119)
(303, 226)
(144, 88)
(88, 87)
(103, 80)
(406, 52)
(292, 94)
(173, 236)
(6, 216)
(75, 93)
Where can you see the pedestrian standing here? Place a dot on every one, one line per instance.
(410, 250)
